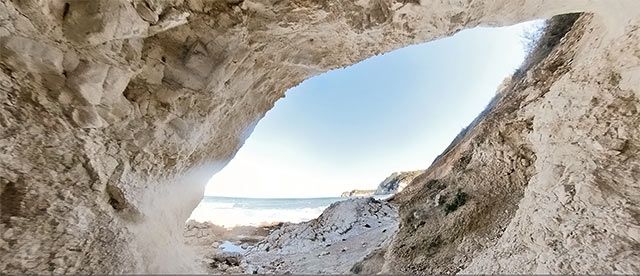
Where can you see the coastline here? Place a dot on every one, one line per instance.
(208, 240)
(343, 235)
(242, 211)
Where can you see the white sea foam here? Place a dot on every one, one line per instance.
(229, 212)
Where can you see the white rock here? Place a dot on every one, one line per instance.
(87, 81)
(30, 55)
(87, 117)
(170, 19)
(342, 223)
(98, 83)
(96, 22)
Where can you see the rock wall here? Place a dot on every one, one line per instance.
(115, 113)
(396, 182)
(547, 182)
(357, 192)
(579, 213)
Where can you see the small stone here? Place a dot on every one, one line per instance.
(232, 261)
(196, 5)
(70, 61)
(235, 270)
(87, 81)
(114, 84)
(8, 235)
(145, 12)
(170, 19)
(438, 199)
(324, 253)
(86, 117)
(58, 262)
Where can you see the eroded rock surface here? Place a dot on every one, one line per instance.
(115, 113)
(343, 235)
(396, 182)
(208, 241)
(357, 192)
(526, 189)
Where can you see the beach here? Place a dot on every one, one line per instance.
(240, 211)
(342, 234)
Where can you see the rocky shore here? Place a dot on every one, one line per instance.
(345, 233)
(220, 249)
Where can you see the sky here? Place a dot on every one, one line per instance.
(350, 128)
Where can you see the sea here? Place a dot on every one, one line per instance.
(238, 211)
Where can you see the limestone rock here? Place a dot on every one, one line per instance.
(87, 117)
(345, 224)
(101, 181)
(196, 5)
(87, 81)
(33, 56)
(396, 182)
(146, 11)
(357, 192)
(95, 22)
(168, 20)
(30, 55)
(97, 83)
(518, 191)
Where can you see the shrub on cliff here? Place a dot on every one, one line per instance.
(459, 200)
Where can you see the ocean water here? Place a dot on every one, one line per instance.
(237, 211)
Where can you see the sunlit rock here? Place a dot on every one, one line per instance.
(105, 111)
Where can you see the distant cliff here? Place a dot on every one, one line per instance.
(356, 192)
(390, 185)
(396, 182)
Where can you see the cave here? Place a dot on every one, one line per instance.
(110, 107)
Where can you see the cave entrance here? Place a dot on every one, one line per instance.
(349, 129)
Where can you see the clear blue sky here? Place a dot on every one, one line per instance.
(350, 128)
